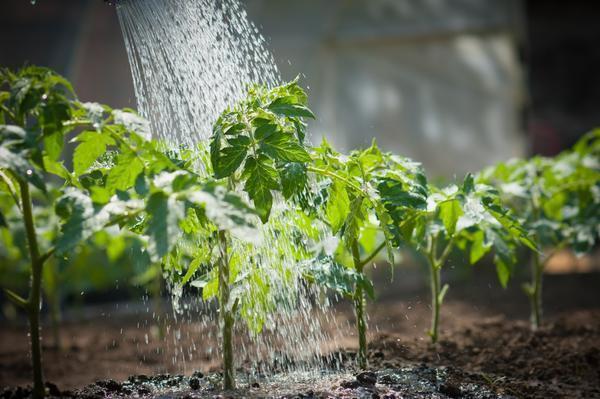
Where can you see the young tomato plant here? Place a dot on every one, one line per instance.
(468, 218)
(558, 202)
(120, 179)
(354, 210)
(257, 147)
(34, 111)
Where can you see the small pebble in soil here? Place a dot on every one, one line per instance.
(194, 383)
(109, 385)
(52, 389)
(450, 389)
(367, 378)
(198, 374)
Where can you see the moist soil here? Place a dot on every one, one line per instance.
(486, 350)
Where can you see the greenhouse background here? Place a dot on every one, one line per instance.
(457, 84)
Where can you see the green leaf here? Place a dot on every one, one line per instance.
(450, 211)
(287, 106)
(123, 175)
(133, 122)
(478, 247)
(229, 161)
(81, 219)
(284, 147)
(92, 145)
(264, 131)
(366, 284)
(503, 271)
(261, 178)
(21, 167)
(53, 144)
(325, 272)
(338, 206)
(293, 179)
(227, 211)
(163, 225)
(468, 184)
(56, 168)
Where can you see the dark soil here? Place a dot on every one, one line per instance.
(486, 350)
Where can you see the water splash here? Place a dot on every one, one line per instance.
(190, 60)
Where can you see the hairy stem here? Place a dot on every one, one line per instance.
(359, 307)
(33, 302)
(226, 315)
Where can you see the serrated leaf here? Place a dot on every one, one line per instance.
(293, 179)
(229, 161)
(264, 131)
(449, 212)
(338, 206)
(133, 122)
(123, 175)
(261, 178)
(284, 147)
(56, 168)
(92, 145)
(53, 145)
(81, 219)
(478, 247)
(227, 211)
(287, 106)
(21, 167)
(163, 224)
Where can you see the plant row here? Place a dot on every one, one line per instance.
(71, 172)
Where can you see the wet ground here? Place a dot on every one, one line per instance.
(486, 350)
(410, 381)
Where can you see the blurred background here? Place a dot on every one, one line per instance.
(456, 84)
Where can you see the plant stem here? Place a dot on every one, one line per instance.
(373, 254)
(333, 175)
(359, 307)
(535, 295)
(33, 302)
(434, 273)
(226, 316)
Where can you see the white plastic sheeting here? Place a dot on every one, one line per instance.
(435, 80)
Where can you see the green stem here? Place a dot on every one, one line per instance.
(359, 307)
(535, 295)
(334, 175)
(434, 273)
(437, 292)
(226, 316)
(8, 111)
(369, 258)
(33, 302)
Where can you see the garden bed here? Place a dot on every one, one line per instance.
(480, 354)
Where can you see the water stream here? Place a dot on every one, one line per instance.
(189, 61)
